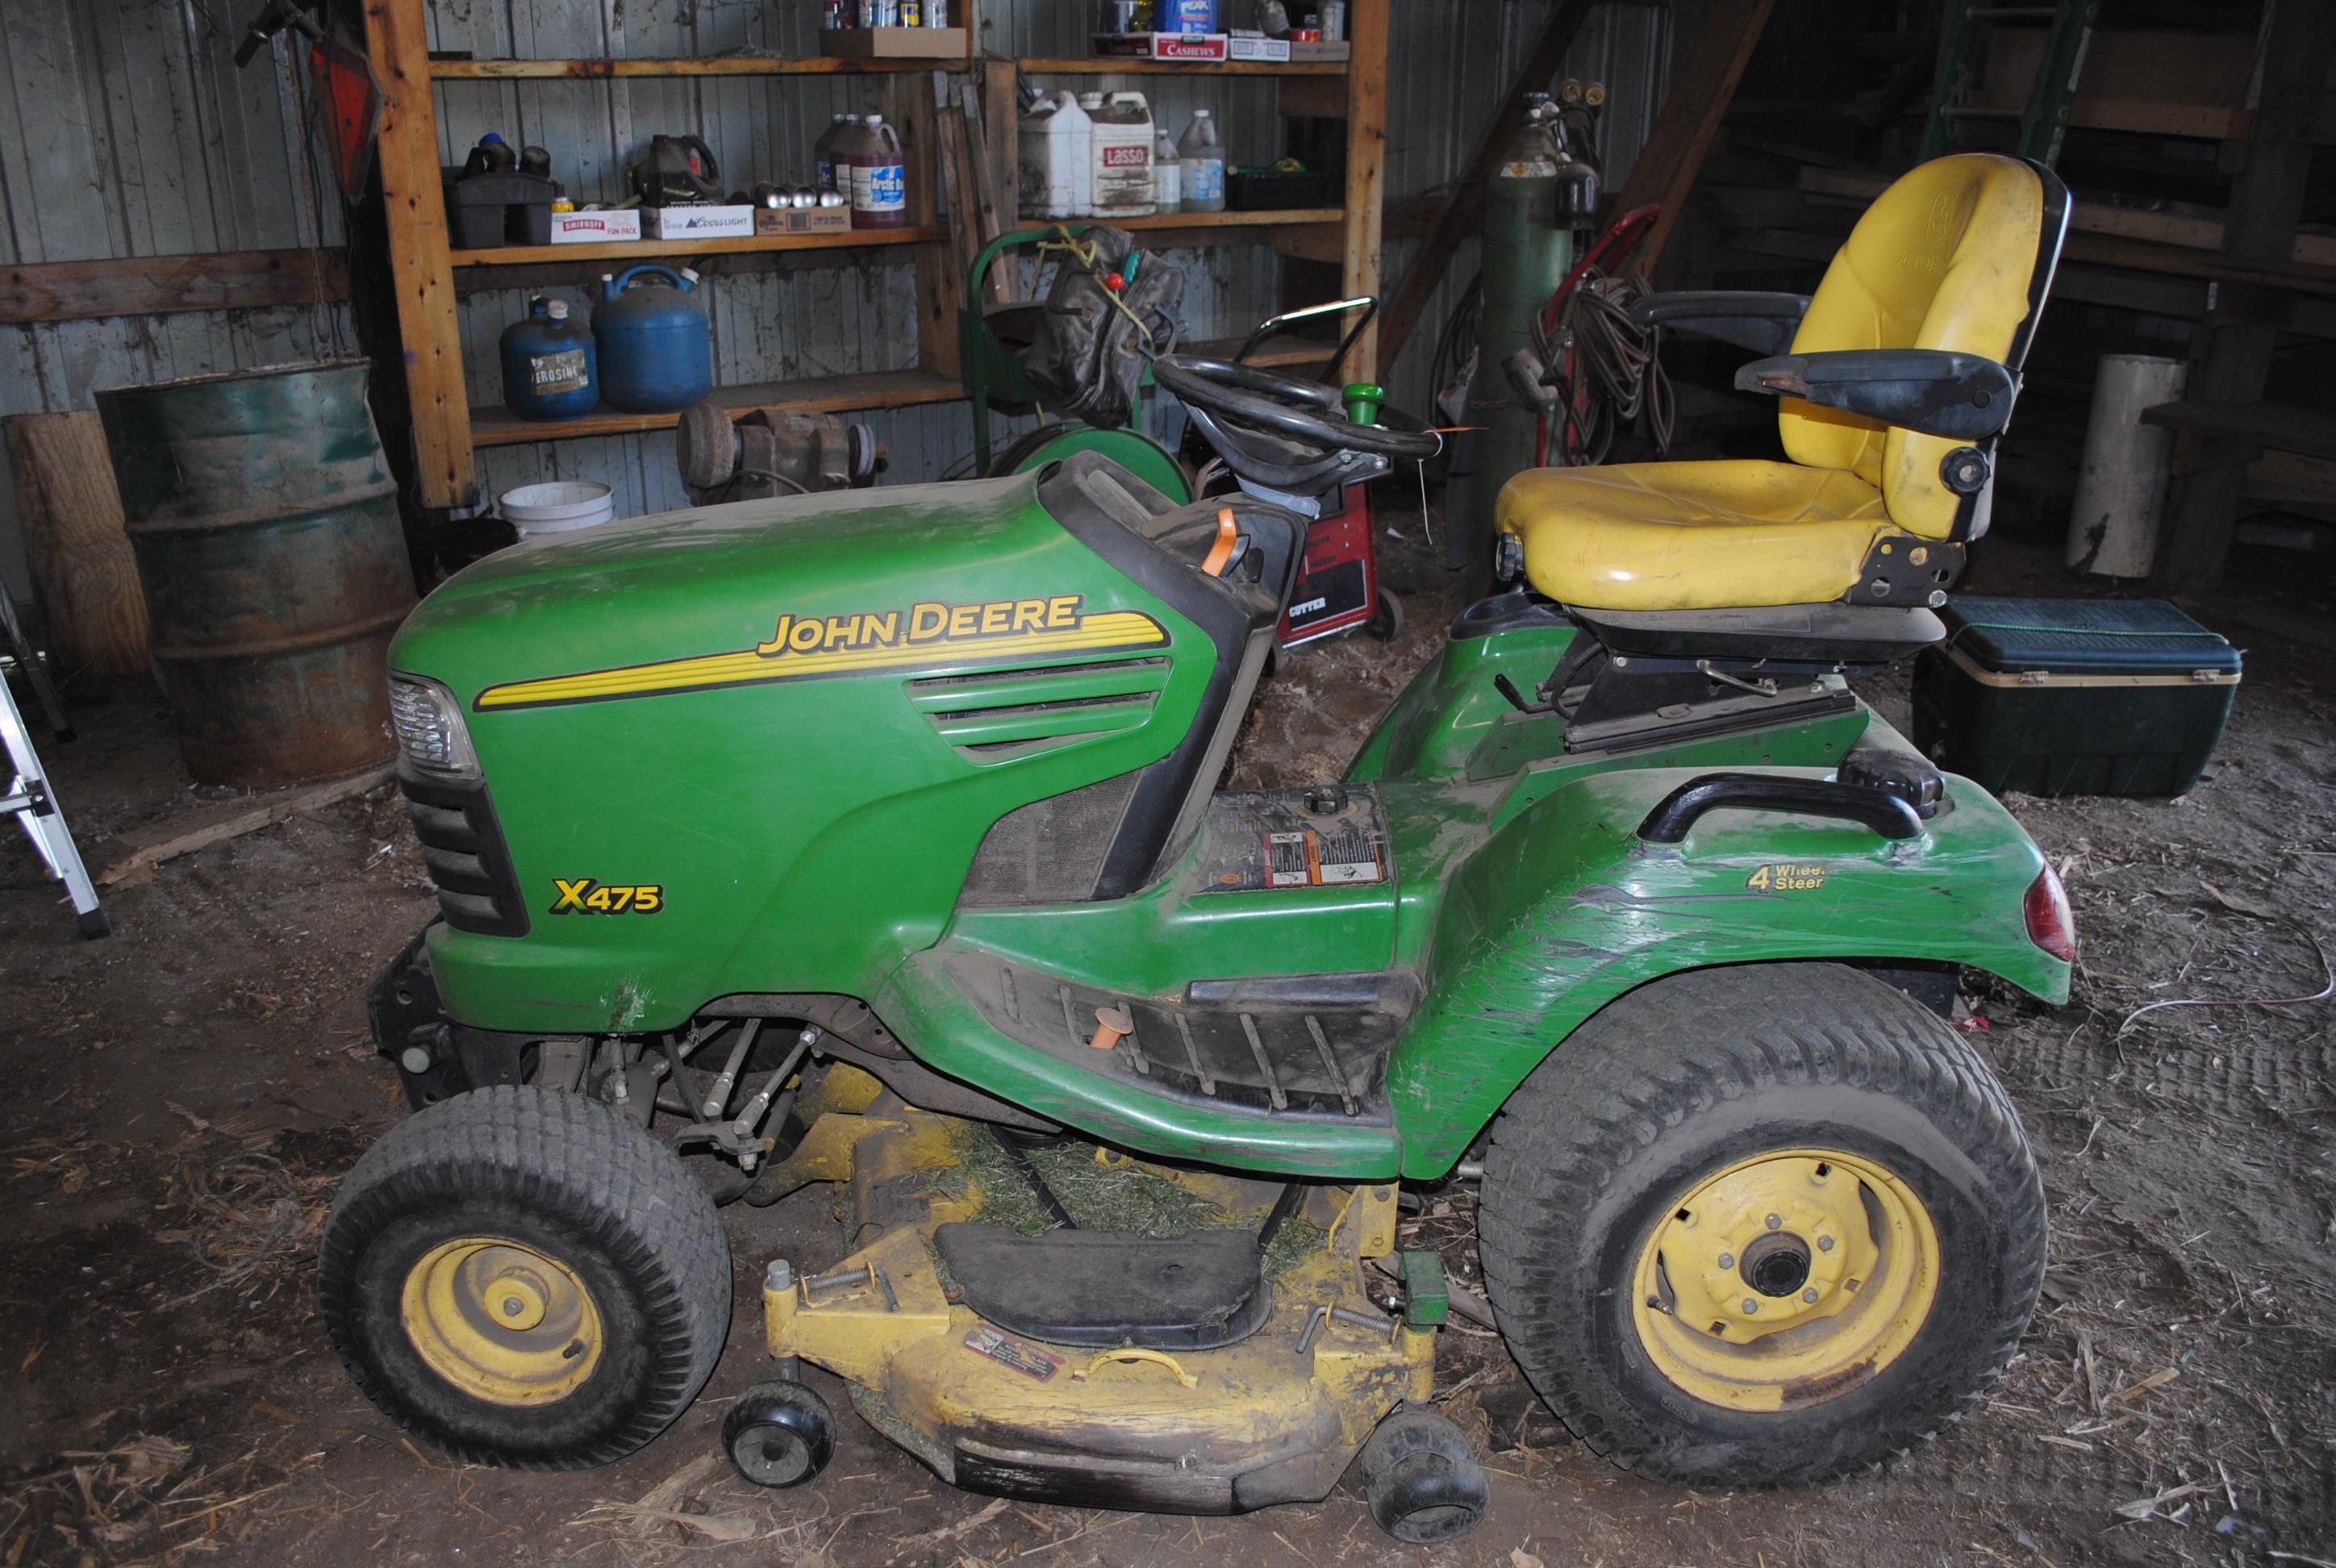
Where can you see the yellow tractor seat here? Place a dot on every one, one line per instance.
(1656, 536)
(1896, 378)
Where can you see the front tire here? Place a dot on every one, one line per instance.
(523, 1277)
(1764, 1225)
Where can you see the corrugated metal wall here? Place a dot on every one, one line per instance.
(126, 130)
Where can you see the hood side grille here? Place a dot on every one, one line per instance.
(999, 714)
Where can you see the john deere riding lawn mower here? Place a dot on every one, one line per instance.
(873, 839)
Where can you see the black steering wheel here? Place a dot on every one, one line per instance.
(1290, 434)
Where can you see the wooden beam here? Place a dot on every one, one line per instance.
(83, 571)
(1461, 207)
(2232, 352)
(1692, 110)
(1367, 80)
(913, 108)
(396, 37)
(164, 284)
(145, 848)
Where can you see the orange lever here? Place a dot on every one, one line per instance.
(1222, 552)
(1112, 1025)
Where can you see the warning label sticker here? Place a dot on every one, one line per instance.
(1019, 1354)
(1331, 835)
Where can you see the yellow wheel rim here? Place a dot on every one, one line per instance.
(502, 1321)
(1784, 1281)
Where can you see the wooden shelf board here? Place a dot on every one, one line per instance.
(497, 426)
(650, 249)
(1281, 351)
(1094, 67)
(1279, 218)
(727, 65)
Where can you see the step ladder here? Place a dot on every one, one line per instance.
(2043, 121)
(30, 798)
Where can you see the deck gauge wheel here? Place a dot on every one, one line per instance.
(779, 1434)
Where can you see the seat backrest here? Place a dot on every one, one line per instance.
(1957, 254)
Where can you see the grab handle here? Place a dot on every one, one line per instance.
(1677, 812)
(623, 280)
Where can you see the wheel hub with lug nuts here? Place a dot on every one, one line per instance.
(501, 1320)
(1785, 1280)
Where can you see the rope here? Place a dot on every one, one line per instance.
(1084, 251)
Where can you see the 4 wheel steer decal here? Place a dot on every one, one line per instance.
(922, 638)
(585, 896)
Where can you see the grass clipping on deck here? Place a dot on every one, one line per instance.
(1123, 1197)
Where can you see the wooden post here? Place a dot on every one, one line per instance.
(82, 570)
(2230, 357)
(910, 98)
(1367, 80)
(1692, 110)
(397, 38)
(1458, 216)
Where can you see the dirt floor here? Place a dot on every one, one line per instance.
(190, 1091)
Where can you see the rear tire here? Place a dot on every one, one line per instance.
(1769, 1111)
(523, 1277)
(1387, 618)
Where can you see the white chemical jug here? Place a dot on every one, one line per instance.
(1121, 167)
(1052, 178)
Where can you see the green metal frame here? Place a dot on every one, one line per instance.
(993, 373)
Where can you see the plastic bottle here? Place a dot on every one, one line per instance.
(1167, 176)
(871, 152)
(1203, 159)
(824, 149)
(1052, 178)
(1122, 156)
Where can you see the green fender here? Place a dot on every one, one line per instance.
(1564, 910)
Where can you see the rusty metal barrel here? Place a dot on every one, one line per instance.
(265, 527)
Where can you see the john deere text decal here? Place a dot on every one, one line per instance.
(920, 637)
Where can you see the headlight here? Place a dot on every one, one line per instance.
(429, 723)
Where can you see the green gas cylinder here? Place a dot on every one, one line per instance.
(1529, 213)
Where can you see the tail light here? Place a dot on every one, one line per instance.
(2051, 926)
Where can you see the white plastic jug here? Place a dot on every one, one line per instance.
(1203, 157)
(1167, 176)
(1052, 178)
(1120, 168)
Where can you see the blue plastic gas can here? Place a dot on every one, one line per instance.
(657, 350)
(551, 366)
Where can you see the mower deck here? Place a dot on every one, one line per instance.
(1115, 1409)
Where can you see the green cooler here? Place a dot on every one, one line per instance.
(2055, 697)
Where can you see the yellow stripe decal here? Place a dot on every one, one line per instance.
(847, 645)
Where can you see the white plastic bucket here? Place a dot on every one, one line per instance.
(562, 506)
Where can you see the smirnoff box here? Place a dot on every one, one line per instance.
(595, 227)
(1192, 48)
(698, 222)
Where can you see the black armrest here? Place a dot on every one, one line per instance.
(1762, 323)
(1963, 396)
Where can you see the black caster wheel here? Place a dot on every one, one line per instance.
(779, 1434)
(1421, 1480)
(1386, 621)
